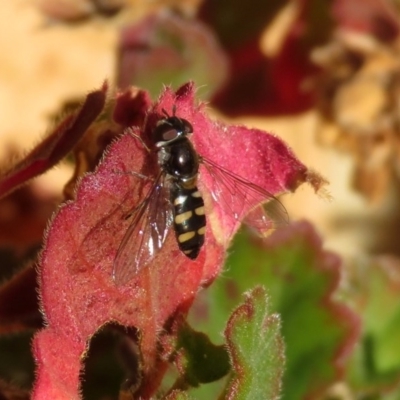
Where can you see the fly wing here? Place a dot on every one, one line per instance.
(146, 234)
(244, 200)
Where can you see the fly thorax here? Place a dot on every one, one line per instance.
(180, 160)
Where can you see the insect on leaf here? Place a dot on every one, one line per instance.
(149, 226)
(243, 200)
(77, 290)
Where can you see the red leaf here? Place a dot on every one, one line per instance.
(130, 107)
(261, 84)
(77, 290)
(57, 145)
(264, 159)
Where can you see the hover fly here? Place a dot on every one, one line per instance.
(174, 200)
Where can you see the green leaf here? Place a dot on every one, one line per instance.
(256, 349)
(301, 279)
(375, 291)
(202, 361)
(169, 48)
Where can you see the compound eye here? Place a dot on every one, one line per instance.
(170, 129)
(187, 126)
(165, 131)
(169, 134)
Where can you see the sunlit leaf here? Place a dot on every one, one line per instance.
(256, 349)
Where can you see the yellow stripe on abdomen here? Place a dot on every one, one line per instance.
(181, 218)
(184, 237)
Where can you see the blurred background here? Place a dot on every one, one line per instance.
(321, 76)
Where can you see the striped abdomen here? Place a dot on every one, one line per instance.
(189, 219)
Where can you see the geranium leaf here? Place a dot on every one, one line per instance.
(199, 360)
(77, 289)
(261, 84)
(55, 146)
(256, 349)
(375, 290)
(185, 47)
(302, 280)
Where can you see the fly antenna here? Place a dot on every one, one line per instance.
(165, 112)
(174, 110)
